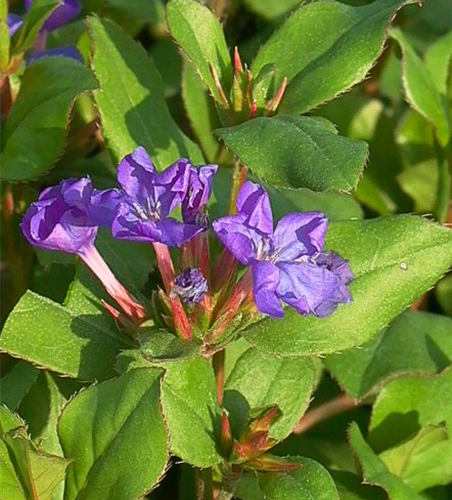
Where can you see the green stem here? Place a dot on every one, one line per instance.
(204, 484)
(218, 362)
(238, 179)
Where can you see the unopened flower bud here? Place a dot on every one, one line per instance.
(190, 286)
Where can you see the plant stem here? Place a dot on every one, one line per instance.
(218, 7)
(238, 179)
(326, 411)
(204, 484)
(218, 362)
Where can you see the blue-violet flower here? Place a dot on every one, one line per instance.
(287, 263)
(60, 220)
(140, 210)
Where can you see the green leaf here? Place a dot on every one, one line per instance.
(77, 340)
(25, 472)
(408, 403)
(395, 260)
(437, 60)
(421, 91)
(416, 342)
(33, 21)
(350, 487)
(271, 9)
(16, 384)
(331, 58)
(199, 33)
(297, 151)
(132, 105)
(200, 110)
(115, 433)
(35, 131)
(424, 460)
(310, 481)
(41, 408)
(259, 381)
(376, 472)
(191, 411)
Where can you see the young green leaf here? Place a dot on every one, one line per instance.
(191, 411)
(115, 434)
(421, 90)
(258, 381)
(376, 472)
(417, 342)
(132, 104)
(35, 131)
(395, 261)
(297, 151)
(324, 61)
(200, 35)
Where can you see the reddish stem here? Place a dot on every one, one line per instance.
(326, 411)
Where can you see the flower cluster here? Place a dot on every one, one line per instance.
(285, 264)
(63, 14)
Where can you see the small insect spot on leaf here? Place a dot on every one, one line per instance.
(404, 266)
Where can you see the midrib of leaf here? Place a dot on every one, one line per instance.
(109, 444)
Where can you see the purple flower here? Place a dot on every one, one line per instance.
(287, 263)
(59, 219)
(199, 191)
(14, 23)
(64, 13)
(140, 210)
(69, 51)
(190, 286)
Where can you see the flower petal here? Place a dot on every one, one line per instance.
(300, 234)
(199, 191)
(174, 233)
(311, 289)
(69, 51)
(242, 241)
(127, 225)
(265, 285)
(171, 186)
(103, 205)
(337, 265)
(253, 201)
(14, 23)
(136, 174)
